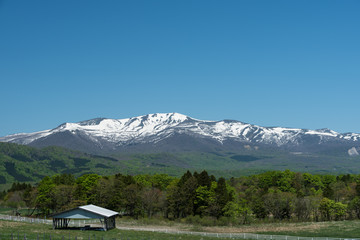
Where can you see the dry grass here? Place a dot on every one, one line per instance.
(162, 226)
(270, 227)
(339, 229)
(253, 228)
(343, 229)
(349, 228)
(9, 224)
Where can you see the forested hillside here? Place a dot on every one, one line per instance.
(19, 163)
(275, 195)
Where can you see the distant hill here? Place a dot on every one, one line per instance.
(27, 164)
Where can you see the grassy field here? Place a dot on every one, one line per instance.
(335, 229)
(340, 229)
(20, 230)
(12, 211)
(5, 210)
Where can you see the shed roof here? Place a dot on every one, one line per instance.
(86, 211)
(99, 210)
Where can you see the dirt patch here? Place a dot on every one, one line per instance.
(155, 228)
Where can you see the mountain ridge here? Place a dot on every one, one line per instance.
(110, 135)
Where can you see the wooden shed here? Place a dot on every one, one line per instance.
(106, 216)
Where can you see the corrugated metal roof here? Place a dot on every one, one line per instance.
(86, 212)
(99, 210)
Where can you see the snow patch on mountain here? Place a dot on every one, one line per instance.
(25, 138)
(353, 152)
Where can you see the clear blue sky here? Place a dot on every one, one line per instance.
(270, 63)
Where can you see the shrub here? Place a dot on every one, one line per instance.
(195, 220)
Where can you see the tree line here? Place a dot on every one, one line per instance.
(270, 196)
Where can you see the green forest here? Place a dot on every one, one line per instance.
(19, 163)
(195, 197)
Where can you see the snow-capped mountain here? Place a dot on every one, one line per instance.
(175, 130)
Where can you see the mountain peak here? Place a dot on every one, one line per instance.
(176, 117)
(94, 121)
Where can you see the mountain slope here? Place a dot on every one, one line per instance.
(177, 132)
(26, 164)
